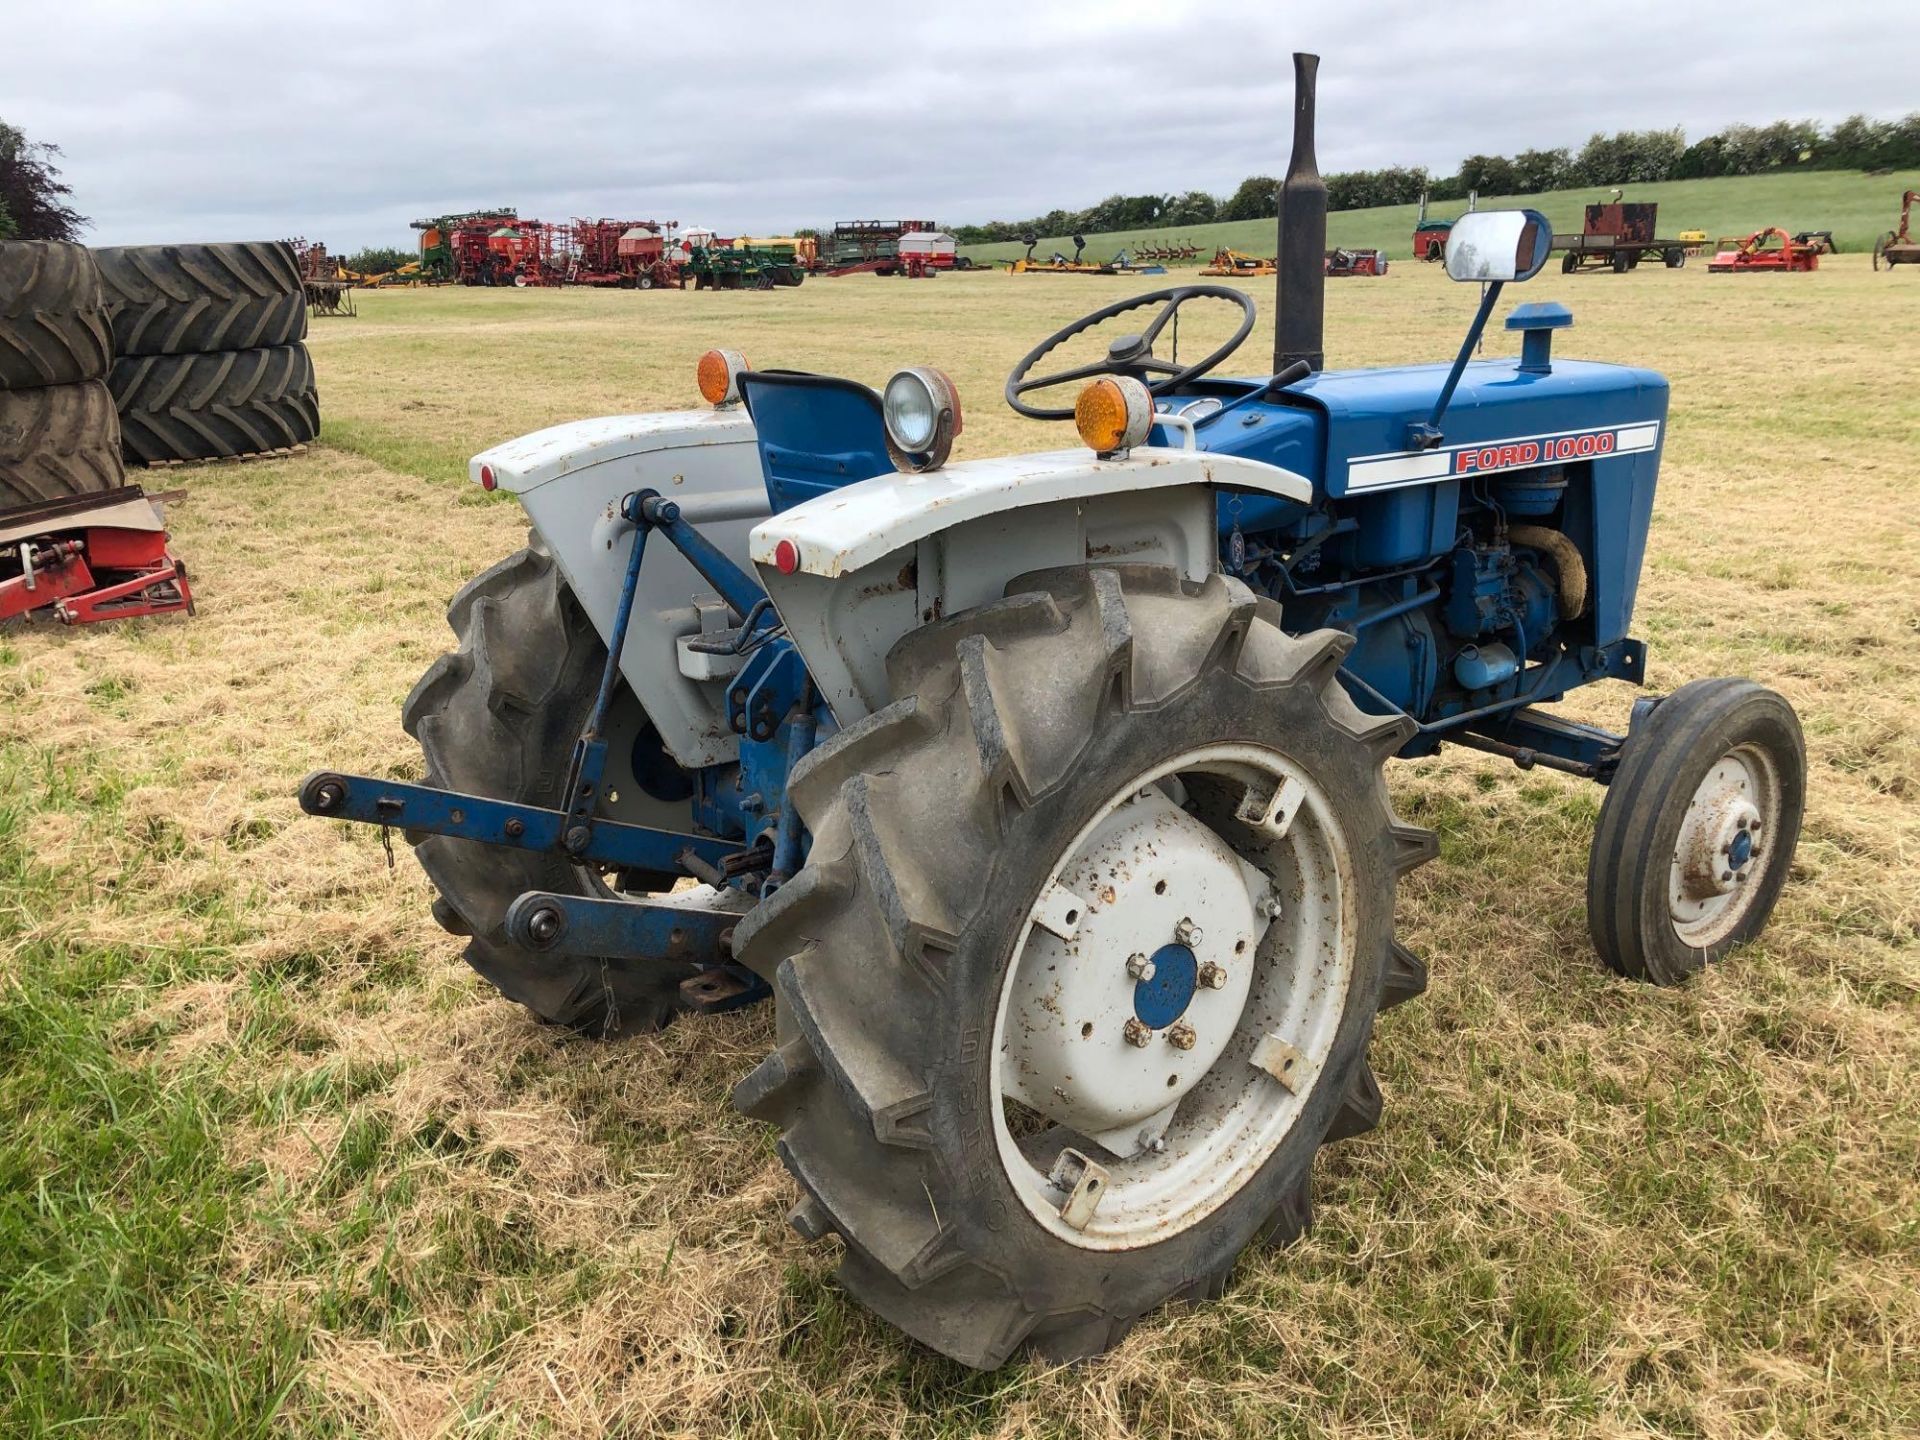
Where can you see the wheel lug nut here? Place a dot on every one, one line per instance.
(1180, 1035)
(1138, 1032)
(1213, 976)
(1139, 966)
(1726, 875)
(1187, 933)
(1269, 906)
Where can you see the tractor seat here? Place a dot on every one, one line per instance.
(815, 432)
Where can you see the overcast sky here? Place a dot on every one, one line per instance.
(235, 119)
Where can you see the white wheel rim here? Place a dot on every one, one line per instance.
(1724, 846)
(1205, 1119)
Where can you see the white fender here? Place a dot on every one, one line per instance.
(571, 479)
(876, 559)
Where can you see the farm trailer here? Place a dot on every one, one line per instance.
(1043, 794)
(1617, 237)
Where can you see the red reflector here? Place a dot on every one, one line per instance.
(487, 481)
(786, 557)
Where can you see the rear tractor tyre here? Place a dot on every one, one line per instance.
(1697, 832)
(53, 323)
(204, 407)
(195, 299)
(1082, 968)
(498, 717)
(57, 441)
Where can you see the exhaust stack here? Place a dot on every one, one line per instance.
(1301, 285)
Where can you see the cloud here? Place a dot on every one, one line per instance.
(196, 119)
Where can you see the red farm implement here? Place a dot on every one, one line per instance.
(1754, 256)
(1356, 262)
(90, 557)
(627, 254)
(1898, 247)
(483, 247)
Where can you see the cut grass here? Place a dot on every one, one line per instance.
(275, 1162)
(1858, 209)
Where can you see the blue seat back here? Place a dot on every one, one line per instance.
(816, 433)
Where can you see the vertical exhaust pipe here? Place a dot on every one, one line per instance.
(1299, 330)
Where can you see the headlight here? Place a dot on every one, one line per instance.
(922, 413)
(1113, 413)
(719, 376)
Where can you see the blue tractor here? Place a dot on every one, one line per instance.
(1043, 794)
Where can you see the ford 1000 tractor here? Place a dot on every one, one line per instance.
(1043, 794)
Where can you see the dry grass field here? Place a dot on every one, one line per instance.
(274, 1162)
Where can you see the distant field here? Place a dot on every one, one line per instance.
(1856, 207)
(275, 1163)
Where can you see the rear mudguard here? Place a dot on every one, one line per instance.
(874, 560)
(571, 479)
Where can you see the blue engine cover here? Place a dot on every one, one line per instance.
(1434, 557)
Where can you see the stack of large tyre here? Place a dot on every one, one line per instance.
(209, 362)
(58, 432)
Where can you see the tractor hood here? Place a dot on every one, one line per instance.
(1502, 418)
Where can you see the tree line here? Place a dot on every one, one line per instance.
(1626, 157)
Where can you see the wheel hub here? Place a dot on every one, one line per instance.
(1720, 836)
(1722, 845)
(1163, 999)
(1117, 1012)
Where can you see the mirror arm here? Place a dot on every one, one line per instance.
(1427, 435)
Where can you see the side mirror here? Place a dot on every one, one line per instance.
(1498, 245)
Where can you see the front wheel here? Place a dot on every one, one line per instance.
(1697, 831)
(1082, 968)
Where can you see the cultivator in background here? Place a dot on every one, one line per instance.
(1182, 252)
(1057, 264)
(93, 557)
(741, 267)
(1754, 255)
(325, 279)
(1898, 247)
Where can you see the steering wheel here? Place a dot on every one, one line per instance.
(1130, 354)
